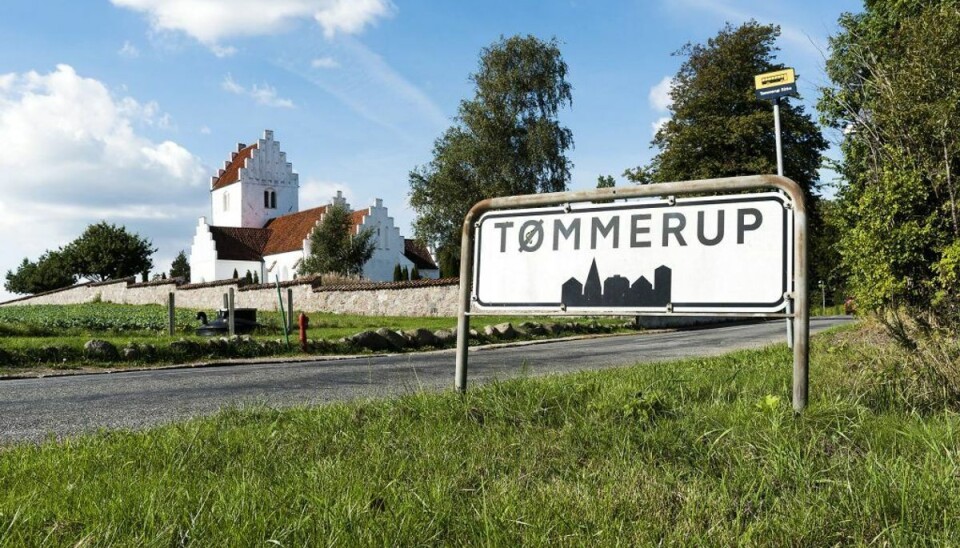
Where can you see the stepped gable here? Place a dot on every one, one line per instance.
(418, 255)
(239, 244)
(356, 219)
(231, 173)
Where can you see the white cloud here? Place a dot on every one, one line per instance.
(129, 51)
(222, 51)
(350, 16)
(659, 123)
(659, 96)
(374, 90)
(325, 62)
(204, 130)
(213, 21)
(723, 9)
(262, 94)
(230, 85)
(75, 154)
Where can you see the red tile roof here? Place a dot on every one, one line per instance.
(356, 219)
(239, 244)
(418, 255)
(231, 173)
(288, 232)
(280, 235)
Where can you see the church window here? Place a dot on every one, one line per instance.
(273, 199)
(266, 198)
(226, 201)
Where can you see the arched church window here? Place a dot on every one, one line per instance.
(270, 199)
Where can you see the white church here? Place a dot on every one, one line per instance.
(256, 224)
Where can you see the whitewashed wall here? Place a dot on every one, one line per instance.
(282, 264)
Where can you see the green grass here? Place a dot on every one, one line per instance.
(703, 451)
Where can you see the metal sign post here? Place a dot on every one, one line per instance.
(667, 249)
(772, 86)
(776, 130)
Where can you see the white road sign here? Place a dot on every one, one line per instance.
(707, 254)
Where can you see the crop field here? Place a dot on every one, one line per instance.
(53, 336)
(53, 320)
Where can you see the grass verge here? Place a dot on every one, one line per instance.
(700, 451)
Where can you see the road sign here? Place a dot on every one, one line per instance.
(773, 85)
(647, 256)
(640, 232)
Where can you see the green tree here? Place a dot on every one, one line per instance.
(180, 268)
(256, 277)
(236, 275)
(718, 128)
(405, 274)
(334, 249)
(51, 271)
(108, 252)
(506, 140)
(900, 123)
(606, 181)
(397, 273)
(415, 273)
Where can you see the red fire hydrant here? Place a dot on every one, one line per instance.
(304, 322)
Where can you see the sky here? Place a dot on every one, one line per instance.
(122, 110)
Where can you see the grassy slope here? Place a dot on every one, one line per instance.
(688, 452)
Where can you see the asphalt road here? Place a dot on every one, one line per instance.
(32, 409)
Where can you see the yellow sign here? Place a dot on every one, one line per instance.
(775, 79)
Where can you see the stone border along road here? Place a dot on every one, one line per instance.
(32, 409)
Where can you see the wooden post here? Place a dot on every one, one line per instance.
(171, 313)
(230, 318)
(290, 323)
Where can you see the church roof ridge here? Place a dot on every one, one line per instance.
(231, 174)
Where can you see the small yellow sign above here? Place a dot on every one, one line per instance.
(771, 86)
(775, 79)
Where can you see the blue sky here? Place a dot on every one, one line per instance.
(121, 110)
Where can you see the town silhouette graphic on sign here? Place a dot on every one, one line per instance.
(617, 290)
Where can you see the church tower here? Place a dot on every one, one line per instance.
(257, 184)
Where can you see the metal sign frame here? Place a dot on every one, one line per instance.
(798, 295)
(672, 307)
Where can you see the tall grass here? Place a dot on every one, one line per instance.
(703, 451)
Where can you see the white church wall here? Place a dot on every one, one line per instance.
(225, 206)
(388, 251)
(225, 269)
(282, 264)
